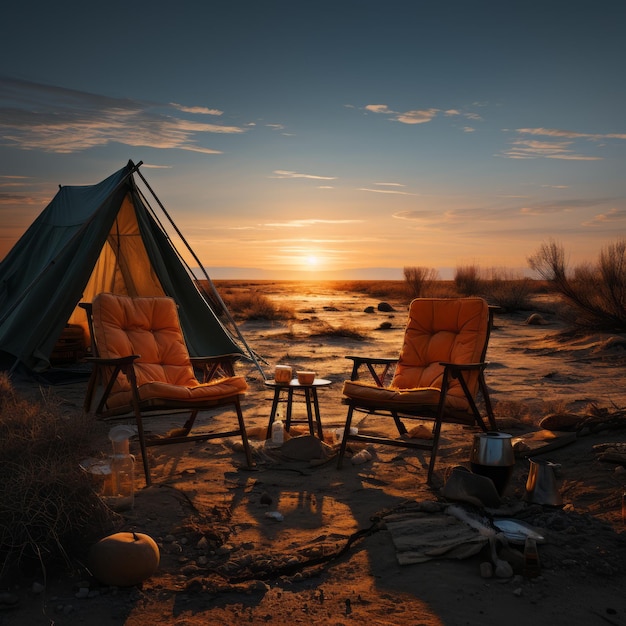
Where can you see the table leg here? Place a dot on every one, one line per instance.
(289, 405)
(273, 411)
(309, 413)
(316, 406)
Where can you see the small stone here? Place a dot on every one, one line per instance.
(503, 569)
(83, 592)
(486, 569)
(518, 591)
(38, 588)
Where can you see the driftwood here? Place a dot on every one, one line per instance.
(596, 420)
(611, 452)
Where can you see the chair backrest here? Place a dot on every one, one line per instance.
(454, 330)
(148, 327)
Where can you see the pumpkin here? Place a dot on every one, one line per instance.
(124, 559)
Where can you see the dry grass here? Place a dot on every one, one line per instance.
(253, 305)
(323, 329)
(49, 512)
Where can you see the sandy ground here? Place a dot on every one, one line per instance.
(331, 559)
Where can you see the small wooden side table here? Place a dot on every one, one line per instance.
(310, 398)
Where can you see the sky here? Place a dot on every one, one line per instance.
(344, 136)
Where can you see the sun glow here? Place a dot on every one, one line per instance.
(312, 260)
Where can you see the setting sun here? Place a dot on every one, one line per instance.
(311, 261)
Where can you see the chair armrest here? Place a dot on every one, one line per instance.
(215, 366)
(374, 361)
(123, 360)
(464, 366)
(369, 362)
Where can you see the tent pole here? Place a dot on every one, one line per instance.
(206, 276)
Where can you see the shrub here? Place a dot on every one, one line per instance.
(468, 280)
(324, 329)
(508, 291)
(420, 280)
(596, 293)
(253, 305)
(49, 511)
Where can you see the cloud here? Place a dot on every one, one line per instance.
(408, 117)
(378, 108)
(390, 191)
(611, 216)
(290, 174)
(553, 132)
(417, 116)
(200, 110)
(523, 148)
(34, 116)
(534, 149)
(308, 222)
(416, 215)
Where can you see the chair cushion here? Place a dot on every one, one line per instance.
(155, 392)
(453, 330)
(371, 393)
(150, 328)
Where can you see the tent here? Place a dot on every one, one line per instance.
(95, 238)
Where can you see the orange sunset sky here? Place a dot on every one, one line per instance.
(337, 139)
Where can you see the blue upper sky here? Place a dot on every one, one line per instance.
(328, 135)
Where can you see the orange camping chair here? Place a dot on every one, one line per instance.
(144, 366)
(437, 376)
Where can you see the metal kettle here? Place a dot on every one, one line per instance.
(541, 485)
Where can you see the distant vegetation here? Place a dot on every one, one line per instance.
(596, 292)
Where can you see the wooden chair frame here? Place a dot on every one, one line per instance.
(439, 414)
(139, 408)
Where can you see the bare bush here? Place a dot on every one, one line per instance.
(468, 280)
(596, 293)
(508, 290)
(420, 280)
(253, 305)
(49, 511)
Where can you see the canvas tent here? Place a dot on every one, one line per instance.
(100, 238)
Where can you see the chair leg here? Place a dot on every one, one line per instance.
(437, 428)
(188, 425)
(399, 425)
(243, 432)
(487, 400)
(344, 440)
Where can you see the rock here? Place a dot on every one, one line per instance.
(486, 569)
(561, 421)
(503, 569)
(385, 307)
(361, 457)
(369, 309)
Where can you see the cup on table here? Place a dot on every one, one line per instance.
(283, 374)
(305, 377)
